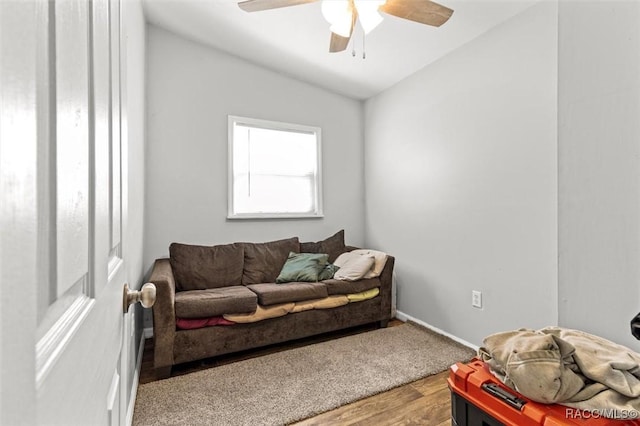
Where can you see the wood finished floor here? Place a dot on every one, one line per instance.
(423, 402)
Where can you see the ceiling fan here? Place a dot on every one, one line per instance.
(342, 14)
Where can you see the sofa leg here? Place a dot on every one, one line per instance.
(384, 323)
(162, 372)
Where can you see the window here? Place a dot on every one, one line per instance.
(274, 170)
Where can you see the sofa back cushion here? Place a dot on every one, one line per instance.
(202, 267)
(263, 261)
(333, 246)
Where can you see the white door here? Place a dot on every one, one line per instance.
(62, 270)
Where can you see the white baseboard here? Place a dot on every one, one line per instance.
(147, 332)
(404, 317)
(134, 385)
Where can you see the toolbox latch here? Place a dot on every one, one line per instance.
(504, 395)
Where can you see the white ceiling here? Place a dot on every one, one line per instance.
(295, 40)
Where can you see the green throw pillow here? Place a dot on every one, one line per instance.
(327, 272)
(303, 267)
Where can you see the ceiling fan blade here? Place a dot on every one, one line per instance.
(339, 43)
(422, 11)
(258, 5)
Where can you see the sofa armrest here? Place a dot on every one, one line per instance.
(164, 314)
(386, 282)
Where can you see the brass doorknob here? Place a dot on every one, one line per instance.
(146, 296)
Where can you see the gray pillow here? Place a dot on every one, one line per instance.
(328, 271)
(302, 267)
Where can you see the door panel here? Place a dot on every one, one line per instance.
(69, 270)
(66, 152)
(102, 130)
(116, 133)
(72, 144)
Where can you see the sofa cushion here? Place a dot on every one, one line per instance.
(365, 295)
(325, 303)
(333, 246)
(214, 302)
(261, 313)
(302, 267)
(264, 261)
(201, 267)
(271, 294)
(350, 287)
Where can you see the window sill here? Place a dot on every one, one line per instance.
(261, 216)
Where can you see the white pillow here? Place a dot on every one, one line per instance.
(353, 268)
(380, 261)
(344, 258)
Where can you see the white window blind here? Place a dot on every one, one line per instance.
(274, 169)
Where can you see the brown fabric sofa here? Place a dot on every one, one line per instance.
(198, 282)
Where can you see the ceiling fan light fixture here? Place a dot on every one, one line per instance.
(342, 14)
(368, 13)
(342, 29)
(338, 13)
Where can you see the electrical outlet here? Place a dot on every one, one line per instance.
(476, 299)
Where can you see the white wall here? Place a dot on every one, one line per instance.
(191, 91)
(461, 181)
(599, 159)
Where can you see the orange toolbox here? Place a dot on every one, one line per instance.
(478, 398)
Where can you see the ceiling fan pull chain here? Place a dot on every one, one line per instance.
(364, 52)
(353, 46)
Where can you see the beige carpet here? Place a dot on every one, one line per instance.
(291, 385)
